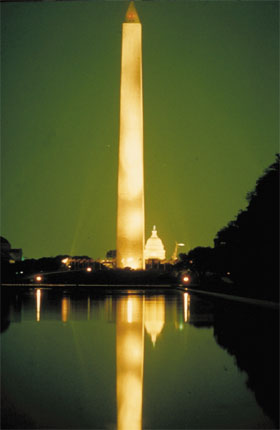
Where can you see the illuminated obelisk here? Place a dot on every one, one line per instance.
(130, 217)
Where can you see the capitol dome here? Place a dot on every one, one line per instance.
(154, 248)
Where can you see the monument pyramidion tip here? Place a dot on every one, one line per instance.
(131, 14)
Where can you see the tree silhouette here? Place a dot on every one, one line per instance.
(249, 245)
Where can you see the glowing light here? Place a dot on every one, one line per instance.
(64, 261)
(186, 279)
(130, 218)
(174, 255)
(89, 269)
(228, 273)
(38, 304)
(38, 278)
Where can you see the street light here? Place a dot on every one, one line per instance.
(174, 255)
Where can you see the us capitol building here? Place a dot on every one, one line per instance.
(154, 249)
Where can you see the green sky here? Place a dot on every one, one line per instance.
(210, 78)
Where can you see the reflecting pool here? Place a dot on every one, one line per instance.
(129, 360)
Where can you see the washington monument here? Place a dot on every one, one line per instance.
(130, 216)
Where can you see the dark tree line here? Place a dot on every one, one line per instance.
(252, 338)
(247, 249)
(255, 346)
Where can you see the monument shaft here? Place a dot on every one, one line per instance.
(130, 216)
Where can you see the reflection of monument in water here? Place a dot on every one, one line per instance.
(130, 216)
(133, 313)
(181, 310)
(130, 362)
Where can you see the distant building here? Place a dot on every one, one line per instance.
(77, 262)
(154, 249)
(8, 253)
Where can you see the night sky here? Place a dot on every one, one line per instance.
(210, 79)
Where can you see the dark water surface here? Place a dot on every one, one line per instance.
(137, 360)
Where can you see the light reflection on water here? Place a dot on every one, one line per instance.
(38, 304)
(168, 365)
(130, 362)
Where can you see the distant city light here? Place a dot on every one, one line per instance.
(64, 261)
(38, 278)
(130, 262)
(89, 269)
(186, 279)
